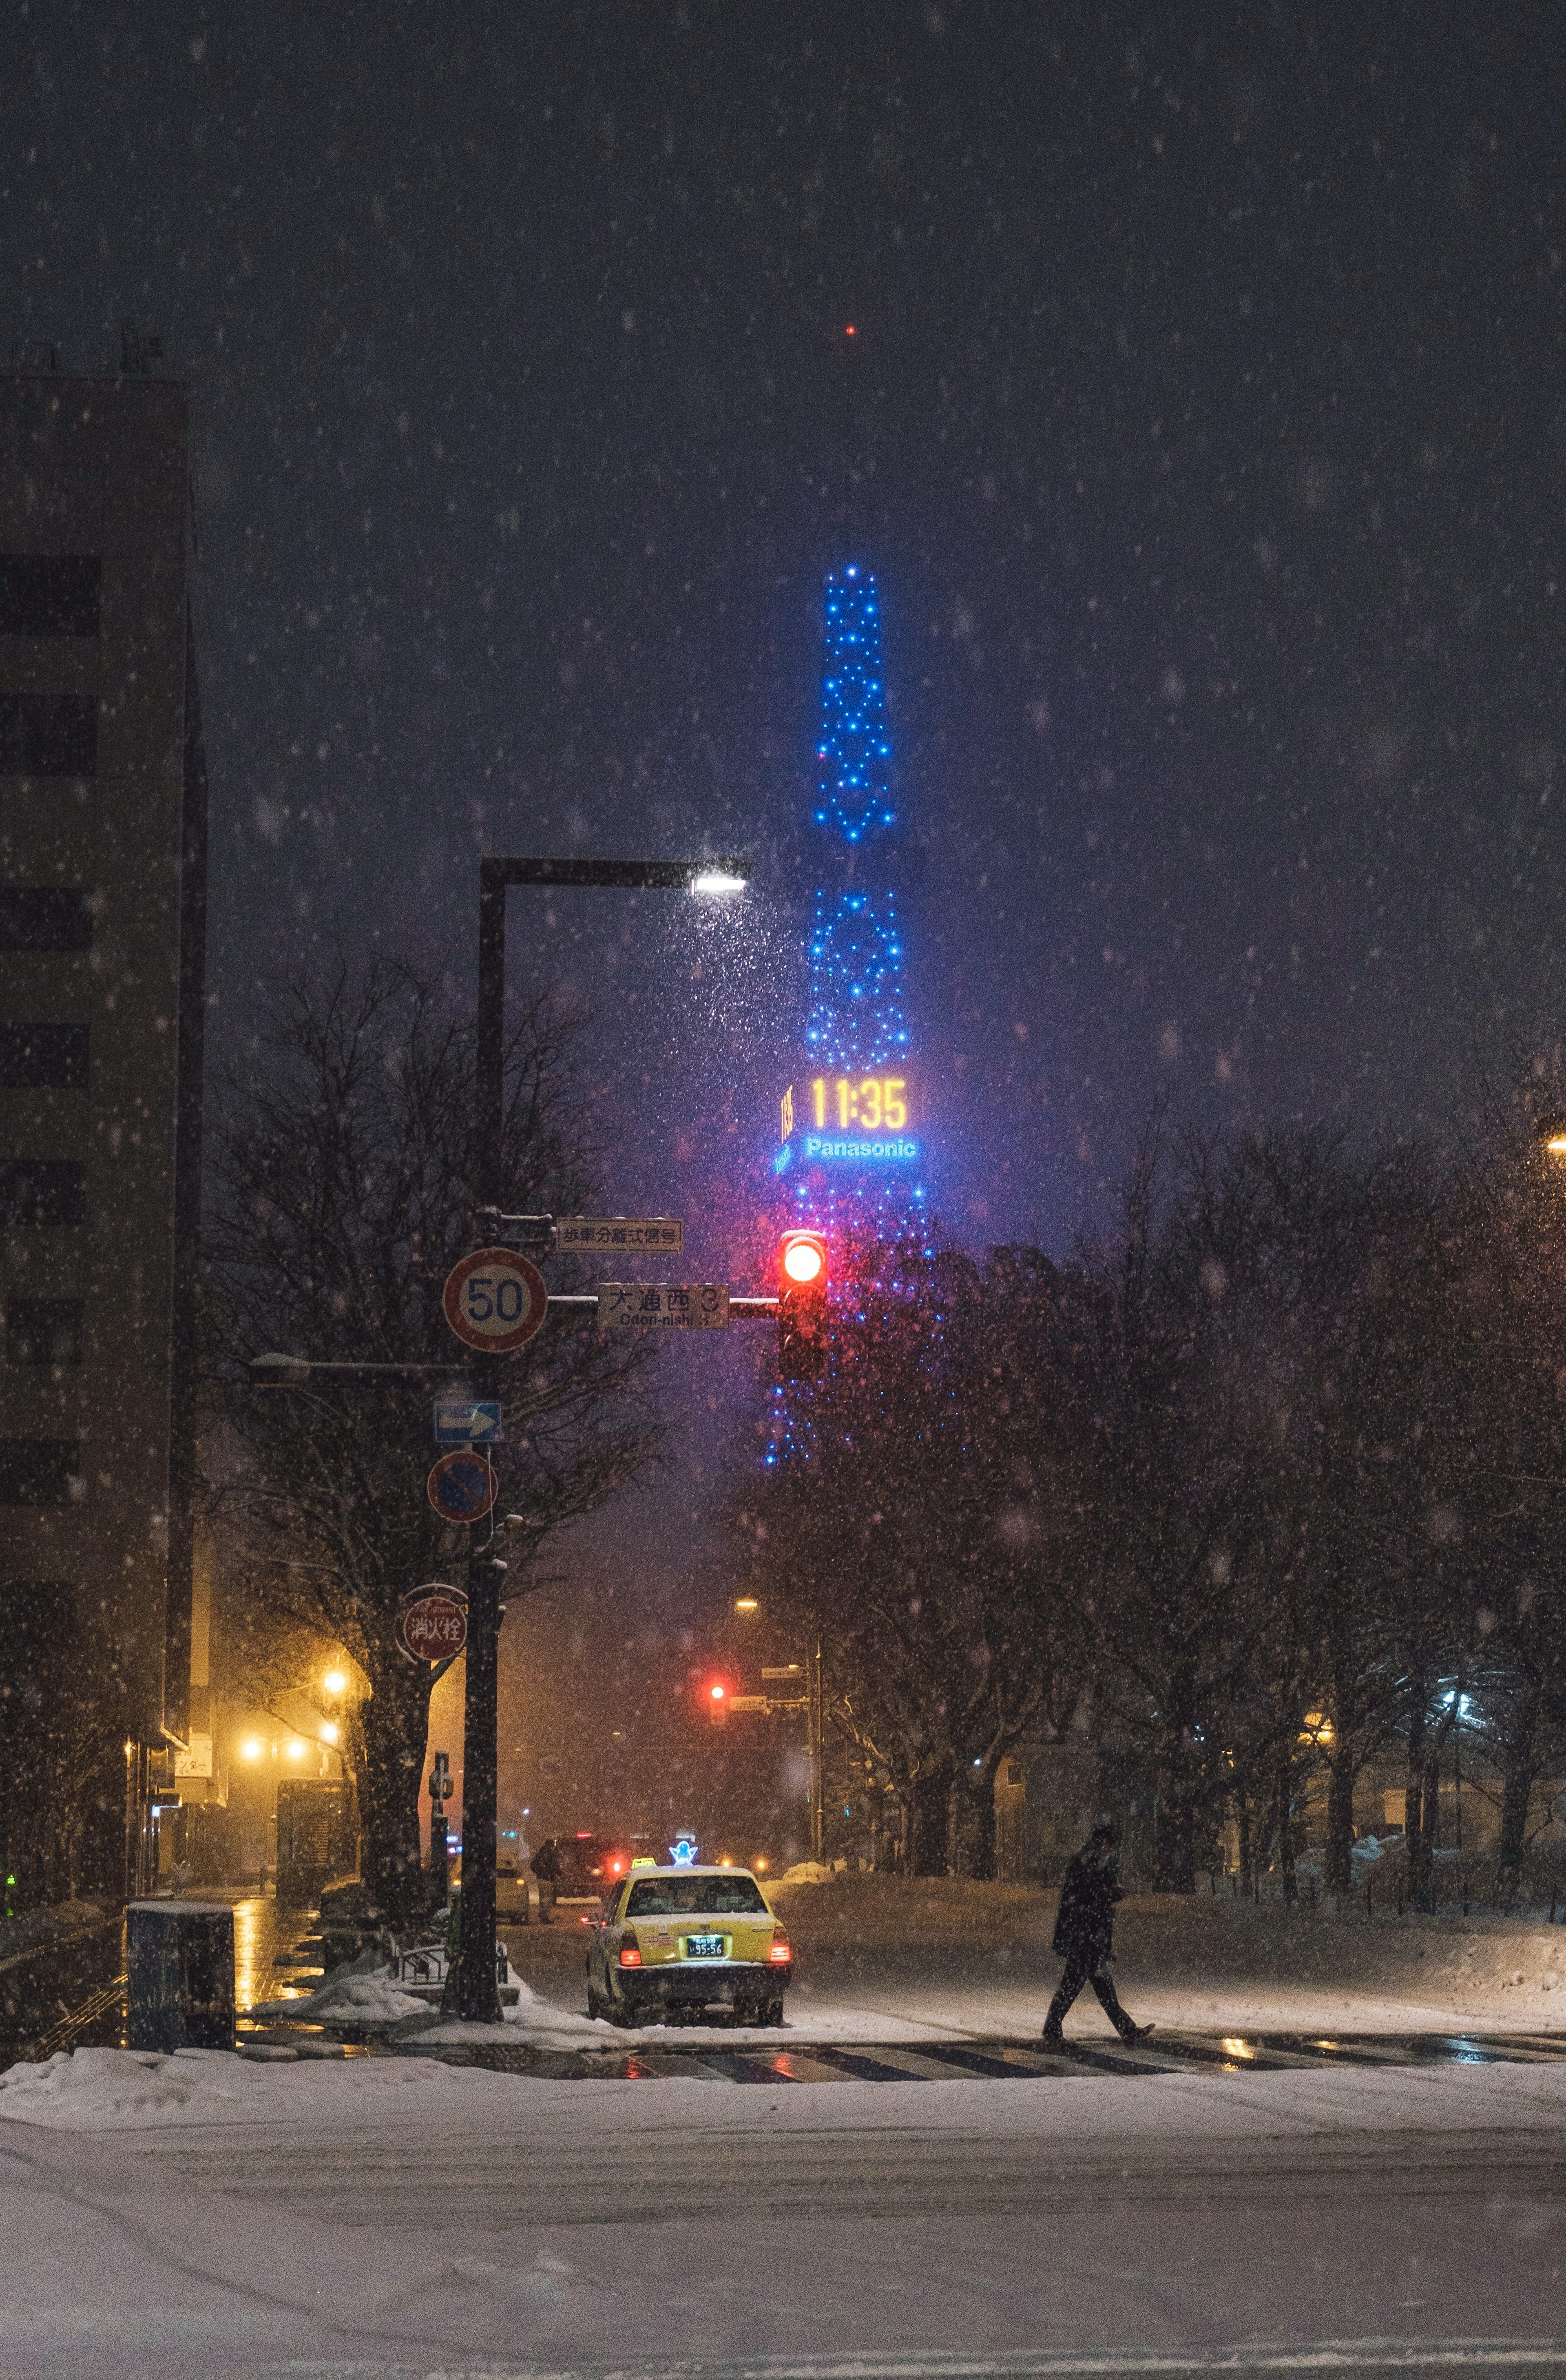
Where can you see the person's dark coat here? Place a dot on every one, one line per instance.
(1084, 1922)
(546, 1861)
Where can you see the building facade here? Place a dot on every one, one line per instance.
(102, 878)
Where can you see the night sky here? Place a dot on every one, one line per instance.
(1203, 425)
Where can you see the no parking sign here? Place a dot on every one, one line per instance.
(462, 1486)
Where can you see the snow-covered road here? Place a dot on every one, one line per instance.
(360, 2213)
(205, 2215)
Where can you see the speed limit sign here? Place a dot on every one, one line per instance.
(494, 1300)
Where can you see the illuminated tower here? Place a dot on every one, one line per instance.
(850, 1153)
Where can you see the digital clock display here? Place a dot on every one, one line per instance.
(849, 1116)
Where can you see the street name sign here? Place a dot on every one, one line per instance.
(431, 1625)
(494, 1300)
(459, 1423)
(659, 1234)
(462, 1487)
(663, 1305)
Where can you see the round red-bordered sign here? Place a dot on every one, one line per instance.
(461, 1485)
(494, 1300)
(432, 1624)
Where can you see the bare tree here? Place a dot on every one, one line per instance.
(340, 1199)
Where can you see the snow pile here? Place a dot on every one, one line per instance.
(352, 1998)
(92, 2089)
(532, 2015)
(95, 2086)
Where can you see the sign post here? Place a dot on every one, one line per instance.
(663, 1236)
(441, 1786)
(458, 1423)
(663, 1305)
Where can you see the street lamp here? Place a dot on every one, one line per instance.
(471, 1988)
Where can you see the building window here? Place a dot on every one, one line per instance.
(50, 594)
(42, 1190)
(44, 1331)
(51, 736)
(41, 1471)
(44, 1057)
(44, 918)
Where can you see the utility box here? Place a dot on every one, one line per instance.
(315, 1839)
(179, 1974)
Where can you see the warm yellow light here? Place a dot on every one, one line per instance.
(759, 1863)
(723, 1859)
(329, 1733)
(1556, 1143)
(747, 1603)
(130, 1747)
(250, 1749)
(296, 1750)
(1318, 1728)
(334, 1681)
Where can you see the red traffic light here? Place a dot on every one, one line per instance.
(802, 1305)
(715, 1696)
(802, 1259)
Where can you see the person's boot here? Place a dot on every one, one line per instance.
(1052, 2037)
(1130, 2031)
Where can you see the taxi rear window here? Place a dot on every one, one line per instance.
(695, 1896)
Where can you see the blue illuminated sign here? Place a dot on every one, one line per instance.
(682, 1853)
(861, 1152)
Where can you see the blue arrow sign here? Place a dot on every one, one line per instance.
(458, 1423)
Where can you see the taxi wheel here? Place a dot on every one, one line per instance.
(771, 2012)
(596, 2005)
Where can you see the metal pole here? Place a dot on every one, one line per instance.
(472, 1987)
(816, 1833)
(472, 1984)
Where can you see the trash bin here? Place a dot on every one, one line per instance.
(179, 1974)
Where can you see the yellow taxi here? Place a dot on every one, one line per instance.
(684, 1939)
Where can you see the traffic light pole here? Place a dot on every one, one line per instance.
(472, 1985)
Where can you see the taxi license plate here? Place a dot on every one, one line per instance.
(704, 1946)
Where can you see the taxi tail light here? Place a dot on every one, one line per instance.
(630, 1956)
(780, 1954)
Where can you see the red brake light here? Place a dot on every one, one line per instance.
(630, 1955)
(781, 1954)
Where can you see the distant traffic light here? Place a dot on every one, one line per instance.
(802, 1305)
(716, 1697)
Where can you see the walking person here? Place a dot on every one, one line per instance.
(1085, 1934)
(546, 1867)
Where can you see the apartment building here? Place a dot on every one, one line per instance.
(103, 871)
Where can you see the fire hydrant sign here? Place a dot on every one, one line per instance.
(494, 1300)
(432, 1624)
(645, 1234)
(663, 1305)
(462, 1487)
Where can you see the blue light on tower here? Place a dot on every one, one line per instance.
(850, 1129)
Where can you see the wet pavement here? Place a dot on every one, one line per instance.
(70, 1994)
